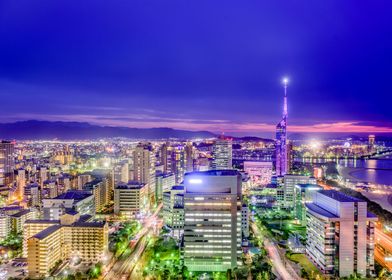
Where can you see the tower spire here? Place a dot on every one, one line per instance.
(285, 83)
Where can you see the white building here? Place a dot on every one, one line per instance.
(340, 234)
(81, 201)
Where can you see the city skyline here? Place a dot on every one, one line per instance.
(135, 66)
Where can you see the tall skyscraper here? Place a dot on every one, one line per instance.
(281, 138)
(144, 168)
(189, 156)
(222, 154)
(212, 220)
(7, 162)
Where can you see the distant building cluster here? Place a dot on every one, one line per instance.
(63, 199)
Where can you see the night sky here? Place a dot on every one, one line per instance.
(213, 65)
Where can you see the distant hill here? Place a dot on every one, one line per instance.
(253, 139)
(35, 130)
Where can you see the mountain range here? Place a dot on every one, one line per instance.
(40, 130)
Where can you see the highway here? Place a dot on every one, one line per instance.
(122, 267)
(385, 241)
(281, 267)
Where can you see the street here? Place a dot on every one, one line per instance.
(122, 268)
(281, 267)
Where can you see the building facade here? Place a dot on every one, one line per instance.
(222, 154)
(340, 234)
(212, 220)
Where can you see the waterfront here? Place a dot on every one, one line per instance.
(374, 171)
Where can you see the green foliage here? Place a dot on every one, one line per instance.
(123, 236)
(14, 241)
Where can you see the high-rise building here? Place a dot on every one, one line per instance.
(340, 234)
(174, 160)
(99, 188)
(21, 183)
(281, 161)
(7, 162)
(144, 169)
(222, 154)
(212, 220)
(371, 142)
(189, 155)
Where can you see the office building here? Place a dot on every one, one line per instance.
(303, 193)
(173, 210)
(222, 154)
(340, 234)
(130, 199)
(212, 220)
(289, 183)
(164, 182)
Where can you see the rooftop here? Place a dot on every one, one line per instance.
(21, 213)
(223, 172)
(338, 196)
(130, 185)
(46, 232)
(88, 224)
(309, 186)
(177, 188)
(320, 211)
(42, 222)
(76, 195)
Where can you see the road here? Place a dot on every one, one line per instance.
(385, 241)
(284, 269)
(122, 268)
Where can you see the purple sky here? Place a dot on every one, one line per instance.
(212, 65)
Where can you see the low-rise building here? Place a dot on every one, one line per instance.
(81, 201)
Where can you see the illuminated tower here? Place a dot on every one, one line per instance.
(281, 138)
